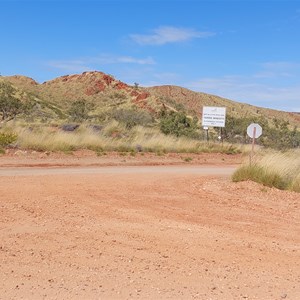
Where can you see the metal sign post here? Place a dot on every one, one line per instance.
(254, 131)
(206, 130)
(213, 117)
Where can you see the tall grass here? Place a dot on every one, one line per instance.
(113, 137)
(274, 169)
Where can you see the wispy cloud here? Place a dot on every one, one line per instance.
(161, 78)
(92, 63)
(107, 59)
(168, 34)
(278, 69)
(248, 90)
(132, 60)
(281, 65)
(69, 66)
(271, 74)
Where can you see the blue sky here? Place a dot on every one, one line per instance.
(247, 51)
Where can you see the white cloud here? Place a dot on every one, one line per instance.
(245, 89)
(168, 34)
(107, 59)
(92, 63)
(278, 69)
(167, 77)
(277, 64)
(276, 85)
(281, 65)
(129, 59)
(270, 74)
(69, 66)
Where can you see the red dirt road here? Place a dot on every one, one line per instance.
(146, 235)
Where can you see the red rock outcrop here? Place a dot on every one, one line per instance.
(142, 96)
(134, 93)
(108, 79)
(99, 86)
(121, 86)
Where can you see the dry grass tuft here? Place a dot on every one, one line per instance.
(274, 169)
(112, 137)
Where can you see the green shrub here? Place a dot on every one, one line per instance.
(7, 138)
(10, 105)
(277, 133)
(132, 117)
(178, 124)
(79, 110)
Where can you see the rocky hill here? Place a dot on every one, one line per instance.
(194, 101)
(107, 93)
(96, 87)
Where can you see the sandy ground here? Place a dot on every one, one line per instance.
(143, 232)
(20, 158)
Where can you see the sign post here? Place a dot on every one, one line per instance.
(254, 131)
(214, 117)
(206, 130)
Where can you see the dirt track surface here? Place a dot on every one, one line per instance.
(155, 234)
(208, 170)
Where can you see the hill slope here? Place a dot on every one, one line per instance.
(96, 87)
(194, 101)
(106, 92)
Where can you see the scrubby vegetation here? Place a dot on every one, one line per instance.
(179, 124)
(95, 111)
(274, 169)
(7, 138)
(277, 133)
(79, 110)
(131, 117)
(124, 128)
(114, 136)
(10, 102)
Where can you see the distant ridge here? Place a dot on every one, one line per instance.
(105, 91)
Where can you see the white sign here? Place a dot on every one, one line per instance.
(254, 130)
(213, 116)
